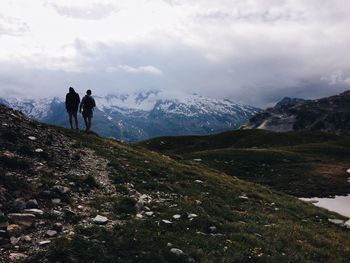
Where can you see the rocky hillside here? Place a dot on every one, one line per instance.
(331, 114)
(139, 116)
(68, 196)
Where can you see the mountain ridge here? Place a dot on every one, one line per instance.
(145, 115)
(329, 114)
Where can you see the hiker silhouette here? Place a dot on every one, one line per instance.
(87, 104)
(72, 104)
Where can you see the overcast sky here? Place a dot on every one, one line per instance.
(251, 51)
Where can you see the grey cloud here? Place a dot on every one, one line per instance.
(260, 74)
(259, 78)
(304, 54)
(258, 16)
(92, 12)
(12, 26)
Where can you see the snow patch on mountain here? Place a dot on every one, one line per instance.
(38, 109)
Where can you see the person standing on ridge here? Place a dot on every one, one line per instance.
(87, 104)
(72, 104)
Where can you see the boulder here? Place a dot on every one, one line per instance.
(26, 220)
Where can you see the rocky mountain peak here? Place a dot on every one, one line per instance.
(330, 114)
(287, 101)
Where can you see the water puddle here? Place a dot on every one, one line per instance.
(338, 204)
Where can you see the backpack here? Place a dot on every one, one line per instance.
(89, 103)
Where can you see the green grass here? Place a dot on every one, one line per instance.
(269, 226)
(294, 162)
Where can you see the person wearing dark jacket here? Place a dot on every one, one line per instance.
(72, 105)
(87, 104)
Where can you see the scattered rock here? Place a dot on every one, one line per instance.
(347, 224)
(32, 138)
(51, 233)
(177, 252)
(192, 216)
(46, 194)
(197, 160)
(39, 150)
(32, 203)
(142, 201)
(34, 211)
(198, 181)
(14, 230)
(337, 221)
(100, 220)
(167, 222)
(213, 229)
(26, 220)
(58, 227)
(26, 239)
(176, 216)
(14, 241)
(62, 190)
(44, 243)
(243, 197)
(198, 202)
(150, 213)
(17, 256)
(18, 205)
(57, 213)
(140, 216)
(56, 201)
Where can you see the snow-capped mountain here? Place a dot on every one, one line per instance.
(143, 115)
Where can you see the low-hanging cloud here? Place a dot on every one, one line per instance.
(12, 26)
(149, 69)
(94, 11)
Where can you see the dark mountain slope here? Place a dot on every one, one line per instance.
(307, 164)
(158, 209)
(331, 114)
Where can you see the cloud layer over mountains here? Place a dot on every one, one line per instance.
(251, 51)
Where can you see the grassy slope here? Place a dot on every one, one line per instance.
(267, 227)
(299, 163)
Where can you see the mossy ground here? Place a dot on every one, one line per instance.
(305, 164)
(252, 223)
